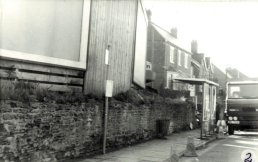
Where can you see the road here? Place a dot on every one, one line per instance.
(229, 149)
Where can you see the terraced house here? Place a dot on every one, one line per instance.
(167, 58)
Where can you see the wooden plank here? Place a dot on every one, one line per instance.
(96, 74)
(41, 68)
(7, 74)
(50, 78)
(50, 87)
(40, 77)
(112, 22)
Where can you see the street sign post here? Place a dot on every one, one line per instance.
(108, 93)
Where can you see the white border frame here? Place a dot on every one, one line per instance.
(35, 58)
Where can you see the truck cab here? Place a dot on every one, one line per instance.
(242, 105)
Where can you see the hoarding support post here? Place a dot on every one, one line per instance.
(108, 93)
(105, 125)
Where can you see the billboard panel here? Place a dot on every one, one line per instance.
(140, 47)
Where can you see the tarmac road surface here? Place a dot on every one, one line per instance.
(230, 149)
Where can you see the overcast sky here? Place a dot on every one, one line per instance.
(226, 31)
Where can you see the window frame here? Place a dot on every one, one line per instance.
(186, 60)
(171, 54)
(148, 66)
(179, 57)
(168, 79)
(35, 58)
(240, 89)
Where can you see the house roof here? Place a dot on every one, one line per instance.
(236, 72)
(169, 38)
(196, 63)
(208, 61)
(216, 68)
(209, 64)
(199, 57)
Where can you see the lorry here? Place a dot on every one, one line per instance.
(241, 106)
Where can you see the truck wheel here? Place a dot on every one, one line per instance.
(230, 130)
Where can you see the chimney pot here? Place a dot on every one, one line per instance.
(149, 14)
(173, 32)
(194, 46)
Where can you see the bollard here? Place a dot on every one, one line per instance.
(173, 156)
(221, 124)
(220, 133)
(224, 125)
(218, 123)
(190, 148)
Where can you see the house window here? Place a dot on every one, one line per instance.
(179, 57)
(172, 49)
(169, 79)
(192, 72)
(148, 65)
(186, 60)
(57, 33)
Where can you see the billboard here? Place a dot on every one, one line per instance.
(140, 47)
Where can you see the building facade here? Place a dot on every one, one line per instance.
(168, 58)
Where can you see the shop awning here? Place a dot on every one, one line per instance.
(196, 81)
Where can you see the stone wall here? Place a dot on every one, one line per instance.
(49, 131)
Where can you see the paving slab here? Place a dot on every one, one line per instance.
(156, 150)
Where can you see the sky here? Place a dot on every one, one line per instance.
(226, 31)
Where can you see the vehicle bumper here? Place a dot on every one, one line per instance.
(243, 123)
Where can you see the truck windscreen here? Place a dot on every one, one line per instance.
(243, 91)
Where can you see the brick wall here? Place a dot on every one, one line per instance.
(48, 131)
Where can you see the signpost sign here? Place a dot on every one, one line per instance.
(109, 88)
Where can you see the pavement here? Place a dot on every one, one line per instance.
(230, 149)
(157, 150)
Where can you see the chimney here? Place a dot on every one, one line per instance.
(149, 14)
(194, 46)
(173, 32)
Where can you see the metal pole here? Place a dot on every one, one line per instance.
(105, 125)
(203, 101)
(106, 102)
(196, 103)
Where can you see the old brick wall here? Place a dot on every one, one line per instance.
(49, 131)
